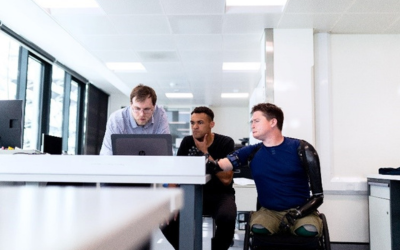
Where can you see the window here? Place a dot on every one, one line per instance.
(32, 104)
(54, 96)
(57, 101)
(73, 117)
(9, 50)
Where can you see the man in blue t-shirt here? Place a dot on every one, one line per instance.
(285, 171)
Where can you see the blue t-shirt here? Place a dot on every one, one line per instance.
(280, 178)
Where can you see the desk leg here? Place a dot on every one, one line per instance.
(190, 232)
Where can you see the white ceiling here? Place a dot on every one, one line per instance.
(182, 43)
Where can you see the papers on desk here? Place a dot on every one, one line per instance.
(19, 151)
(243, 181)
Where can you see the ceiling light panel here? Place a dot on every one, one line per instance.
(255, 6)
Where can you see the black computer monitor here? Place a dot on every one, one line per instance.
(52, 144)
(11, 123)
(141, 144)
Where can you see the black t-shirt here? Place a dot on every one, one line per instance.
(220, 148)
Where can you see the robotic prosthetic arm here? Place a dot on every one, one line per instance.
(309, 158)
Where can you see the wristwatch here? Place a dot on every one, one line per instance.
(206, 155)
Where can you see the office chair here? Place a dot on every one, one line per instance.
(283, 241)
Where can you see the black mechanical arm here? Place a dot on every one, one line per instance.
(310, 161)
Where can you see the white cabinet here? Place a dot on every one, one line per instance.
(245, 197)
(379, 221)
(384, 212)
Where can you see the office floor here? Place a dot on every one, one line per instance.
(160, 243)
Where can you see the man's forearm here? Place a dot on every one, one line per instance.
(225, 164)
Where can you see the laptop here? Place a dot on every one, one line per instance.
(141, 144)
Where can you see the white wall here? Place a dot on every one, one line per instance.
(366, 102)
(232, 121)
(357, 98)
(293, 81)
(117, 101)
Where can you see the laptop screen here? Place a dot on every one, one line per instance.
(141, 144)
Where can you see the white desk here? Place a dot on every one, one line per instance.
(188, 171)
(82, 218)
(384, 212)
(246, 194)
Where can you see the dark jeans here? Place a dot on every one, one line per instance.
(222, 208)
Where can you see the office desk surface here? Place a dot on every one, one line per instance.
(384, 177)
(188, 171)
(94, 168)
(82, 218)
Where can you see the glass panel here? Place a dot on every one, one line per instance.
(179, 124)
(73, 112)
(9, 50)
(56, 102)
(31, 123)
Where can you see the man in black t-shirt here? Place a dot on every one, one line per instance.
(218, 193)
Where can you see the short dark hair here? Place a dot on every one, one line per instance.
(142, 92)
(204, 110)
(270, 111)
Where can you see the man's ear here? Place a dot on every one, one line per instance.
(274, 122)
(212, 124)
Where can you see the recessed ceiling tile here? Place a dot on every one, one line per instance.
(141, 25)
(205, 87)
(209, 77)
(86, 24)
(170, 76)
(201, 56)
(249, 23)
(184, 88)
(151, 42)
(130, 7)
(198, 42)
(235, 86)
(104, 42)
(203, 67)
(168, 85)
(374, 6)
(242, 41)
(196, 24)
(250, 76)
(317, 6)
(158, 56)
(242, 55)
(185, 7)
(318, 22)
(170, 67)
(364, 23)
(134, 77)
(116, 55)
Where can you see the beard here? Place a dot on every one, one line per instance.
(198, 136)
